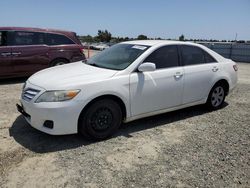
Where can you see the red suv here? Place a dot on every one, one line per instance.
(24, 51)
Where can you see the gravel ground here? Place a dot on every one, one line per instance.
(187, 148)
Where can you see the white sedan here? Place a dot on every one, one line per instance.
(128, 81)
(101, 46)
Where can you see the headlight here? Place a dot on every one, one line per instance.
(57, 96)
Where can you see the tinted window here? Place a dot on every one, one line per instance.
(209, 58)
(192, 55)
(27, 38)
(3, 38)
(55, 39)
(164, 57)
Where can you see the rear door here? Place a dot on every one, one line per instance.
(63, 47)
(29, 52)
(200, 70)
(6, 68)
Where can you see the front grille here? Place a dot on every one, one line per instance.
(29, 94)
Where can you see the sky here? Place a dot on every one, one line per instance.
(196, 19)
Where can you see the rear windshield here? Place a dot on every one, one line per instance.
(118, 57)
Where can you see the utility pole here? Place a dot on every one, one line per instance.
(236, 37)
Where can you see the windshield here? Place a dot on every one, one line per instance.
(117, 57)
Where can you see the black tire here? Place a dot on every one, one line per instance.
(216, 97)
(58, 62)
(100, 120)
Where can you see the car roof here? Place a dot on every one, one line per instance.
(158, 42)
(35, 29)
(69, 34)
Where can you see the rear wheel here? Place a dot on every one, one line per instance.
(101, 119)
(58, 62)
(216, 97)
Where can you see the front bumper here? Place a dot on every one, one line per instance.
(64, 115)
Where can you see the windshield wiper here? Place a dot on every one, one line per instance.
(85, 61)
(96, 65)
(92, 64)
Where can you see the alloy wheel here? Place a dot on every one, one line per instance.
(217, 96)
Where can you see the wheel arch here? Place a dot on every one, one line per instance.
(57, 59)
(106, 96)
(224, 82)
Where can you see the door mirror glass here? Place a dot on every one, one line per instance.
(146, 67)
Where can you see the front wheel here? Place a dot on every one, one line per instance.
(216, 97)
(101, 119)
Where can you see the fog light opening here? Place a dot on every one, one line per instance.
(49, 124)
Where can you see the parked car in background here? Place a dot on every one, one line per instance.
(128, 81)
(93, 46)
(24, 51)
(102, 46)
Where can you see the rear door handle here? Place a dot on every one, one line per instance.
(16, 53)
(5, 54)
(215, 69)
(178, 75)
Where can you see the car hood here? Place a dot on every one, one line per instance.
(69, 76)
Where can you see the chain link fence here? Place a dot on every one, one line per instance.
(235, 51)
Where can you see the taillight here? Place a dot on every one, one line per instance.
(82, 50)
(235, 67)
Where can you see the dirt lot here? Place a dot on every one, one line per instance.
(187, 148)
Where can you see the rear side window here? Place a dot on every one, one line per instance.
(164, 57)
(55, 39)
(27, 38)
(192, 55)
(209, 58)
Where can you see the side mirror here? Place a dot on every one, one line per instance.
(146, 67)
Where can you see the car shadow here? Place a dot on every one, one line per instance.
(40, 142)
(13, 80)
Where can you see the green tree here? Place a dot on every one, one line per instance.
(181, 38)
(142, 37)
(104, 36)
(86, 38)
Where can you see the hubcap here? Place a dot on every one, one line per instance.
(102, 119)
(217, 96)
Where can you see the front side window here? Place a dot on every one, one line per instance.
(3, 38)
(55, 39)
(192, 55)
(164, 57)
(27, 38)
(117, 57)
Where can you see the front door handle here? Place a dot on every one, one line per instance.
(178, 75)
(5, 54)
(16, 53)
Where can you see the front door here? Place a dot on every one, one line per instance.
(6, 67)
(160, 89)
